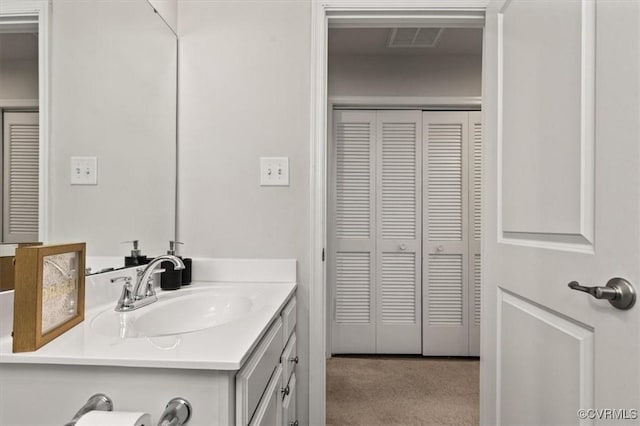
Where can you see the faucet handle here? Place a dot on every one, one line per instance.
(125, 278)
(150, 291)
(126, 297)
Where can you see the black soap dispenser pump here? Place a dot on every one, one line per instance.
(136, 258)
(171, 278)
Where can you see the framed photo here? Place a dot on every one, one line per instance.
(49, 293)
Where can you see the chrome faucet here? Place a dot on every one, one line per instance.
(132, 299)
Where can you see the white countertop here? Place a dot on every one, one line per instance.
(222, 347)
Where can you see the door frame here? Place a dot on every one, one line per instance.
(17, 16)
(351, 14)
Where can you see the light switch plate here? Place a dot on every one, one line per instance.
(274, 171)
(84, 171)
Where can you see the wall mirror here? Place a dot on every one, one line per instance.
(111, 95)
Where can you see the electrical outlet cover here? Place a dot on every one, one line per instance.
(84, 171)
(274, 171)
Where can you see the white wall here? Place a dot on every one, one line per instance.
(113, 96)
(18, 79)
(401, 75)
(10, 6)
(168, 9)
(244, 93)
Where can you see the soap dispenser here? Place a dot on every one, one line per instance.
(136, 258)
(186, 272)
(171, 278)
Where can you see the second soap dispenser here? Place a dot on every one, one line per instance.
(171, 278)
(136, 258)
(186, 272)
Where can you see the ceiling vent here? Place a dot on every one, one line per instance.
(414, 37)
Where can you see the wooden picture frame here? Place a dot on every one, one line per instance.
(49, 293)
(7, 265)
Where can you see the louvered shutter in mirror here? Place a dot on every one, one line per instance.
(20, 177)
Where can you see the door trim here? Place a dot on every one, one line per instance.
(352, 13)
(18, 103)
(424, 103)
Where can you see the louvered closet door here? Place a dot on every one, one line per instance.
(398, 207)
(445, 230)
(352, 258)
(475, 214)
(20, 177)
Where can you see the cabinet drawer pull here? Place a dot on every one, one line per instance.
(295, 360)
(286, 390)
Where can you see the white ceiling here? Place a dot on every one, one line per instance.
(18, 46)
(373, 41)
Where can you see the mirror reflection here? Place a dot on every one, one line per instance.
(20, 135)
(108, 168)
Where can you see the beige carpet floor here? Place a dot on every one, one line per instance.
(402, 390)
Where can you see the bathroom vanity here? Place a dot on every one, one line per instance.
(226, 343)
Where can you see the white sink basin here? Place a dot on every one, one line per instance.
(178, 312)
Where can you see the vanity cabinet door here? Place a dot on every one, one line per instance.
(269, 412)
(289, 359)
(255, 374)
(289, 318)
(289, 414)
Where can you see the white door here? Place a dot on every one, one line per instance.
(562, 203)
(445, 227)
(20, 177)
(451, 232)
(375, 256)
(352, 250)
(399, 289)
(474, 217)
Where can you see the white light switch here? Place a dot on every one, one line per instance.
(84, 171)
(274, 171)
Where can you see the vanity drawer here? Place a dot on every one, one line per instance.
(254, 376)
(289, 318)
(269, 411)
(288, 359)
(289, 414)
